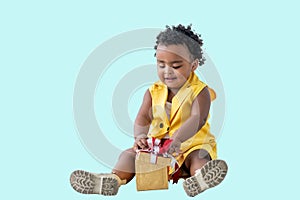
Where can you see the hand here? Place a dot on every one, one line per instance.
(140, 143)
(175, 147)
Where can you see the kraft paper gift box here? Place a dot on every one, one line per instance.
(151, 174)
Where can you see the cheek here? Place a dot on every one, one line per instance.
(160, 73)
(182, 74)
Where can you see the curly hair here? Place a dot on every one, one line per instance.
(185, 36)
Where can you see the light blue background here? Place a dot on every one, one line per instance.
(254, 45)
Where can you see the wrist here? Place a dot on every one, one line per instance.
(140, 136)
(176, 139)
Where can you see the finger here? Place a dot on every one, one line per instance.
(177, 150)
(171, 150)
(140, 144)
(144, 142)
(135, 146)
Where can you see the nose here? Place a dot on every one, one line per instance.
(168, 70)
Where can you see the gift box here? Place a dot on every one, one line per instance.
(151, 171)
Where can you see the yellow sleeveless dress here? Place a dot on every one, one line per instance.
(163, 126)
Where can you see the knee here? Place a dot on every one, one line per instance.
(197, 156)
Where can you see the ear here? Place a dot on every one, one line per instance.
(195, 64)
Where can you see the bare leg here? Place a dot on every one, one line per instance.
(125, 167)
(196, 160)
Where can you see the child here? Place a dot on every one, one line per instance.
(176, 108)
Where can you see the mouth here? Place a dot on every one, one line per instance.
(170, 79)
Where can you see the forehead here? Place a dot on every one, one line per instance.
(173, 51)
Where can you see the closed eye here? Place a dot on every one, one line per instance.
(177, 67)
(163, 66)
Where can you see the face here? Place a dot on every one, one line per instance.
(174, 65)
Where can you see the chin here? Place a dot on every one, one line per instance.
(173, 87)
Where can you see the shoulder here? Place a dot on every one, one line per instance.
(203, 90)
(156, 87)
(204, 94)
(197, 86)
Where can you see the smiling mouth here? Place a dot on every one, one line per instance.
(170, 79)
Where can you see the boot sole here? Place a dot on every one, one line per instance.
(211, 175)
(90, 183)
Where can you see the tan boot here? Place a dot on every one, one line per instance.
(210, 175)
(91, 183)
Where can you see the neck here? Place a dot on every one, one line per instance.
(171, 94)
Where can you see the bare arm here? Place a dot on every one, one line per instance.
(199, 113)
(143, 121)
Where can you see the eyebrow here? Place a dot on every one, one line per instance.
(173, 62)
